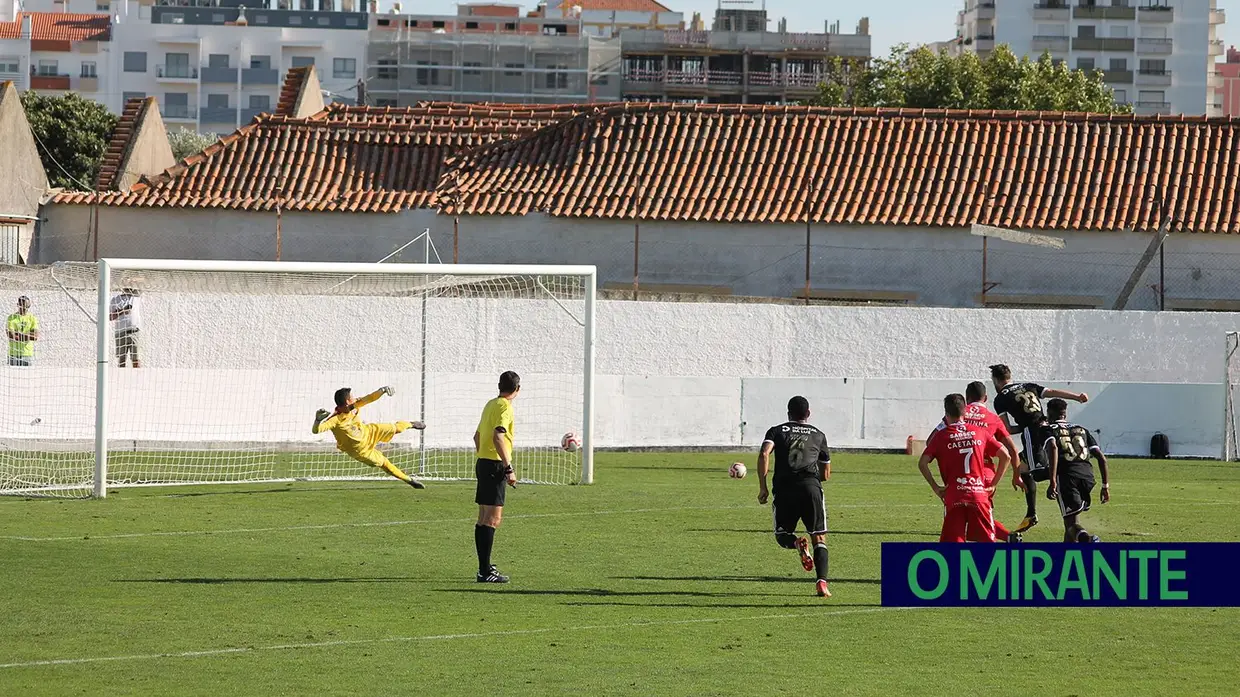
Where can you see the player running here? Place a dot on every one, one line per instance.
(802, 464)
(961, 449)
(360, 440)
(1069, 447)
(976, 413)
(1021, 402)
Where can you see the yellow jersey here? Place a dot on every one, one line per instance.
(22, 324)
(347, 427)
(496, 414)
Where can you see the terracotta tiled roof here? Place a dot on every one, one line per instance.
(118, 146)
(290, 90)
(60, 26)
(344, 158)
(854, 166)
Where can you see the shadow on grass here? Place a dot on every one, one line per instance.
(313, 488)
(808, 604)
(223, 581)
(603, 593)
(830, 534)
(747, 579)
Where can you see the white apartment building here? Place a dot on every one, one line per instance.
(1157, 55)
(212, 64)
(54, 53)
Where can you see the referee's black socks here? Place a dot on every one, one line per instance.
(820, 560)
(484, 539)
(1031, 494)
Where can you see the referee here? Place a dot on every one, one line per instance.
(493, 442)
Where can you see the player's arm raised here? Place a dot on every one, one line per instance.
(1051, 393)
(764, 468)
(923, 464)
(323, 421)
(373, 397)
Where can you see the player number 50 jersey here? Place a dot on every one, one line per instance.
(1075, 444)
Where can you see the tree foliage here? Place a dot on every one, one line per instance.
(72, 134)
(923, 79)
(186, 142)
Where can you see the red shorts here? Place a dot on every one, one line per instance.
(972, 521)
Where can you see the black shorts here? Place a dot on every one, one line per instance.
(800, 501)
(1033, 455)
(1074, 493)
(492, 483)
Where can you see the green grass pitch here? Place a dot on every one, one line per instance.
(661, 579)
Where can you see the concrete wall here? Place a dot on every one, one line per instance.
(941, 267)
(229, 368)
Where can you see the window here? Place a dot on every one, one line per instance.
(1053, 30)
(411, 23)
(217, 101)
(510, 26)
(176, 105)
(1121, 96)
(1153, 32)
(471, 68)
(385, 102)
(88, 69)
(515, 69)
(1151, 66)
(352, 22)
(176, 65)
(303, 61)
(385, 22)
(103, 6)
(135, 62)
(176, 98)
(218, 60)
(1086, 64)
(170, 18)
(344, 68)
(10, 66)
(260, 62)
(217, 18)
(471, 25)
(294, 20)
(428, 75)
(260, 19)
(1118, 64)
(1086, 31)
(260, 102)
(324, 21)
(126, 96)
(437, 24)
(387, 69)
(557, 80)
(49, 67)
(1152, 98)
(1119, 31)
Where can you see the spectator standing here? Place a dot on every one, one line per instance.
(23, 330)
(126, 312)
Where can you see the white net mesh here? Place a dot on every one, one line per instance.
(233, 366)
(1231, 381)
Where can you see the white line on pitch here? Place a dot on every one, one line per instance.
(207, 653)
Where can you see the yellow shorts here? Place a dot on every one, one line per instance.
(379, 433)
(371, 457)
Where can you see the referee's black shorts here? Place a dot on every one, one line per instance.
(492, 482)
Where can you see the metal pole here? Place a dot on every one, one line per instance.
(807, 253)
(426, 259)
(1162, 278)
(985, 251)
(637, 236)
(456, 225)
(587, 408)
(279, 222)
(95, 224)
(101, 381)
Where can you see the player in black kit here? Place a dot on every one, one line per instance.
(1021, 403)
(802, 464)
(1069, 448)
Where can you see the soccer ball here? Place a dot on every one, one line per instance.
(737, 471)
(570, 443)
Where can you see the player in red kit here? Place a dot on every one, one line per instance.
(961, 449)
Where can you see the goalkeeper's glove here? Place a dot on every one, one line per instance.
(387, 391)
(321, 415)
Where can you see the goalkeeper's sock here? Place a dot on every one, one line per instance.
(1031, 494)
(396, 472)
(820, 560)
(484, 539)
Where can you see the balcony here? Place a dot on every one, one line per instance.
(1087, 11)
(218, 115)
(1154, 78)
(260, 76)
(1215, 80)
(177, 112)
(778, 80)
(1218, 16)
(1054, 44)
(1148, 108)
(86, 83)
(219, 76)
(1101, 44)
(176, 73)
(1117, 77)
(1154, 47)
(985, 9)
(1052, 9)
(984, 42)
(49, 82)
(1216, 47)
(1156, 13)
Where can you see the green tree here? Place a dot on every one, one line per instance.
(72, 135)
(186, 142)
(925, 80)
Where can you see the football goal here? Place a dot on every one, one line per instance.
(160, 372)
(1231, 382)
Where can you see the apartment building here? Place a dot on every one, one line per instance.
(488, 53)
(607, 18)
(1228, 93)
(54, 52)
(738, 61)
(1158, 55)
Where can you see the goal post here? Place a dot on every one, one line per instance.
(236, 357)
(1231, 375)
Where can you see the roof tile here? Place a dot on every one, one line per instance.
(60, 26)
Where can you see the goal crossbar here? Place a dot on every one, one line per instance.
(106, 268)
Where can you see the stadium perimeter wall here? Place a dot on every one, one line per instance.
(669, 374)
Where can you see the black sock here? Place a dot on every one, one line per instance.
(1083, 536)
(820, 561)
(1031, 494)
(484, 539)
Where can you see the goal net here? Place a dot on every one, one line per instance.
(1231, 382)
(234, 358)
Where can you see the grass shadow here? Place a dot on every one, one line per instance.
(709, 606)
(831, 533)
(602, 593)
(747, 579)
(226, 581)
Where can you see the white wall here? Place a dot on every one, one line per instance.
(249, 368)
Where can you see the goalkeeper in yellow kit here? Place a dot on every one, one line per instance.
(359, 440)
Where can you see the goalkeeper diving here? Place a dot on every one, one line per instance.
(360, 440)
